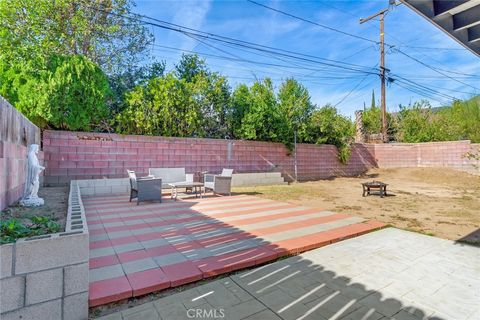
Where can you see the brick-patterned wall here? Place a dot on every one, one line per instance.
(78, 155)
(16, 133)
(450, 154)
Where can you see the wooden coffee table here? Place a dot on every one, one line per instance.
(196, 188)
(374, 185)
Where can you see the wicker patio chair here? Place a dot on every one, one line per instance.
(219, 183)
(144, 188)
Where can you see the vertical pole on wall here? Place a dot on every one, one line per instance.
(295, 154)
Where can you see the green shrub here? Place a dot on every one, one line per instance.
(12, 229)
(61, 92)
(326, 125)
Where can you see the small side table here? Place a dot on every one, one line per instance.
(374, 185)
(196, 187)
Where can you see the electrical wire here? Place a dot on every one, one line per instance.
(240, 43)
(314, 23)
(365, 39)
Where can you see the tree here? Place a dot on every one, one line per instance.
(294, 108)
(99, 30)
(211, 95)
(189, 67)
(327, 126)
(69, 92)
(240, 105)
(461, 120)
(123, 82)
(417, 123)
(261, 117)
(163, 107)
(372, 120)
(373, 103)
(192, 97)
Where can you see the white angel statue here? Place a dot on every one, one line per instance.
(30, 197)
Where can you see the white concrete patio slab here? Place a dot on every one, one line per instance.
(388, 274)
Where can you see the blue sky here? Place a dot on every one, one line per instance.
(347, 90)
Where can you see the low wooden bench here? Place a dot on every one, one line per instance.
(374, 185)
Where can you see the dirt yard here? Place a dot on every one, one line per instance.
(56, 206)
(435, 201)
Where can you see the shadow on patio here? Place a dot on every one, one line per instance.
(135, 250)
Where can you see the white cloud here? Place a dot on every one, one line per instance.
(191, 14)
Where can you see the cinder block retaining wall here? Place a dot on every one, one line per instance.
(451, 154)
(16, 133)
(77, 155)
(46, 277)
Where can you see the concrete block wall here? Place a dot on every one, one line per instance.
(451, 154)
(13, 158)
(46, 277)
(103, 186)
(16, 133)
(257, 179)
(78, 156)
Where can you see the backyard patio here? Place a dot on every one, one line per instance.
(135, 250)
(388, 274)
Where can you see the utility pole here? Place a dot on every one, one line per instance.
(381, 14)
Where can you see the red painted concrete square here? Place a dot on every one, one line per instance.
(148, 281)
(173, 243)
(182, 273)
(106, 291)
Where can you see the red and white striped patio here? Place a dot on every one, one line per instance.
(136, 250)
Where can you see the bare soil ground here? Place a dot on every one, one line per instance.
(436, 201)
(56, 206)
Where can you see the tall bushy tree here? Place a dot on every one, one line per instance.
(461, 121)
(99, 30)
(36, 30)
(294, 108)
(417, 123)
(189, 67)
(372, 120)
(261, 118)
(192, 101)
(68, 92)
(211, 94)
(240, 103)
(163, 107)
(127, 80)
(327, 126)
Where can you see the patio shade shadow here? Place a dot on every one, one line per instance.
(135, 250)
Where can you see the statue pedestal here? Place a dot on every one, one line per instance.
(32, 202)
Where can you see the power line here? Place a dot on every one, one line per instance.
(420, 93)
(328, 4)
(253, 46)
(351, 91)
(423, 88)
(314, 23)
(241, 43)
(434, 48)
(435, 69)
(362, 38)
(220, 57)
